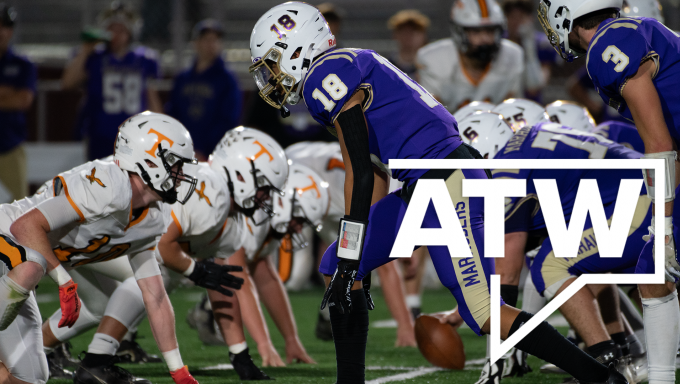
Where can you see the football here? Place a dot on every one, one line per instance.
(439, 343)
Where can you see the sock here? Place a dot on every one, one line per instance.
(350, 333)
(48, 350)
(546, 343)
(238, 348)
(661, 318)
(103, 344)
(413, 301)
(532, 301)
(604, 352)
(635, 346)
(621, 341)
(509, 294)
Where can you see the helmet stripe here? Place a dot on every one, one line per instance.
(483, 8)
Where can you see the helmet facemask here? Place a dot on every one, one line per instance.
(261, 200)
(559, 40)
(296, 215)
(485, 53)
(172, 163)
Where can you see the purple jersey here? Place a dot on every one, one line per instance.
(623, 133)
(116, 89)
(404, 120)
(615, 54)
(554, 141)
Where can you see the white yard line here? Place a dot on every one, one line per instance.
(404, 376)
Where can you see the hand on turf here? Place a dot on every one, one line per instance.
(406, 337)
(69, 303)
(451, 317)
(209, 275)
(295, 352)
(340, 286)
(182, 376)
(270, 358)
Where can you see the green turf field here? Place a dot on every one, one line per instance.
(382, 359)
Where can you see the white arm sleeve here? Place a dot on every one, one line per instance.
(144, 264)
(58, 211)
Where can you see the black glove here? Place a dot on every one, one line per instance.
(340, 286)
(367, 291)
(209, 275)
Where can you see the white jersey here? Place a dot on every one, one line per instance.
(442, 74)
(100, 192)
(206, 228)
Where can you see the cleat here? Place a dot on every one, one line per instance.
(57, 371)
(640, 368)
(516, 364)
(614, 377)
(323, 329)
(106, 374)
(201, 319)
(552, 368)
(131, 352)
(491, 374)
(246, 368)
(62, 356)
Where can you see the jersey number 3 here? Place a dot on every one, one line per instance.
(616, 56)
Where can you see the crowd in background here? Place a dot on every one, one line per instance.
(117, 77)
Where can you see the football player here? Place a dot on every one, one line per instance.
(326, 160)
(633, 64)
(525, 223)
(96, 212)
(378, 113)
(571, 114)
(476, 63)
(623, 133)
(117, 78)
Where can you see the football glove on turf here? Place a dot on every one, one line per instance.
(209, 275)
(69, 303)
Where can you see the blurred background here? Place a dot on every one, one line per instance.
(52, 128)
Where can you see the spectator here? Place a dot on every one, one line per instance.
(539, 55)
(116, 77)
(17, 89)
(333, 16)
(206, 97)
(409, 29)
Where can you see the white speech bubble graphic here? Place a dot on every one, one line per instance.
(498, 349)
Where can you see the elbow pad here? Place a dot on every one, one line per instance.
(355, 134)
(669, 168)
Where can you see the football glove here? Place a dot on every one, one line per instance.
(340, 286)
(367, 291)
(182, 376)
(209, 275)
(69, 303)
(670, 251)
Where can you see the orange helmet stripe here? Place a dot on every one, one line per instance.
(483, 8)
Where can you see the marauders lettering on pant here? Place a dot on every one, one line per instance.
(467, 265)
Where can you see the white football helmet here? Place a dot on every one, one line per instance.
(571, 114)
(250, 160)
(520, 113)
(155, 146)
(120, 13)
(477, 14)
(557, 19)
(642, 8)
(487, 132)
(280, 33)
(305, 198)
(475, 106)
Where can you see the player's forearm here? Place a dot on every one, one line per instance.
(395, 296)
(74, 73)
(12, 99)
(159, 310)
(275, 298)
(154, 100)
(510, 266)
(173, 256)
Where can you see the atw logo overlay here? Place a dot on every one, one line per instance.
(565, 239)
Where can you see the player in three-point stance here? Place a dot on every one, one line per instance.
(633, 63)
(378, 113)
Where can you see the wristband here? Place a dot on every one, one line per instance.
(59, 275)
(190, 270)
(351, 235)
